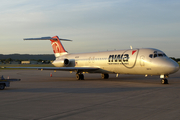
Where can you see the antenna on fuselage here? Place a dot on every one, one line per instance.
(131, 47)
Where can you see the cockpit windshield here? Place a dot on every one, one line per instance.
(157, 54)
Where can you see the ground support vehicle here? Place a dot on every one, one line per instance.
(6, 82)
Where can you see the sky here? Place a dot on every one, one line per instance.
(93, 25)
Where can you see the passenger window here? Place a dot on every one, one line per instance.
(151, 55)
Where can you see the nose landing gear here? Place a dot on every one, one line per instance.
(164, 81)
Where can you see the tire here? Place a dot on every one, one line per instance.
(2, 86)
(105, 76)
(164, 81)
(79, 76)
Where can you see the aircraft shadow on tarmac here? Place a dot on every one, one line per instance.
(79, 90)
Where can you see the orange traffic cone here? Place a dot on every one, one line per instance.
(50, 74)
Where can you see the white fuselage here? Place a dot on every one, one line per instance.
(132, 61)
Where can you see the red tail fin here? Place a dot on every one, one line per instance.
(57, 46)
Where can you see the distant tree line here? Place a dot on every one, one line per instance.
(28, 57)
(175, 59)
(9, 60)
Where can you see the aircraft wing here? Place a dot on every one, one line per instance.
(83, 69)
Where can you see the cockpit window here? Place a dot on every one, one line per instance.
(160, 55)
(155, 55)
(164, 55)
(151, 55)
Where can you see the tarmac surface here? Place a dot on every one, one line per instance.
(61, 97)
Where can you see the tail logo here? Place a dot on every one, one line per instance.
(133, 52)
(56, 47)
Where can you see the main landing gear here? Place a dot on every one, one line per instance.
(79, 76)
(105, 76)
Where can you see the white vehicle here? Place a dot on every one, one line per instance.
(142, 61)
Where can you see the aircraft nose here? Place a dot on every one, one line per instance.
(176, 67)
(167, 66)
(172, 66)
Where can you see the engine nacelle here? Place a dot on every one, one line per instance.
(61, 63)
(66, 62)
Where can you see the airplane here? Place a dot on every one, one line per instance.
(139, 61)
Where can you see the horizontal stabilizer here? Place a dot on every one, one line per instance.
(46, 38)
(57, 46)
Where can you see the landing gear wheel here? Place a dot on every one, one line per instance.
(105, 76)
(79, 76)
(82, 76)
(164, 81)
